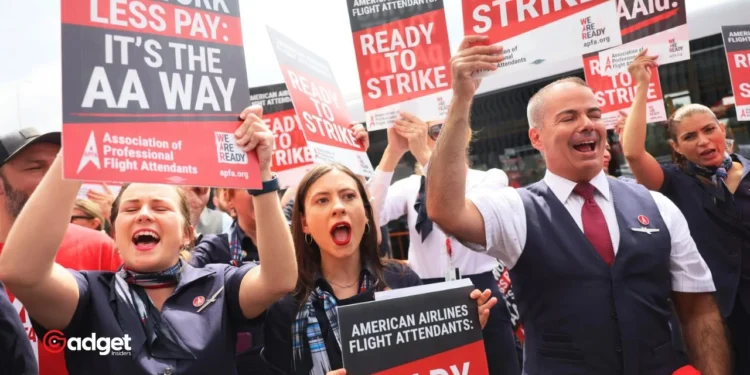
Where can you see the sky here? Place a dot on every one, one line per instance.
(30, 76)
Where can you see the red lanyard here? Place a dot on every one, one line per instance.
(448, 247)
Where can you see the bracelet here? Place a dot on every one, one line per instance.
(268, 187)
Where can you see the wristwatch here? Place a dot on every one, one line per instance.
(268, 187)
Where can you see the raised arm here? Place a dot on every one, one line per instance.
(646, 169)
(389, 204)
(27, 264)
(446, 186)
(277, 274)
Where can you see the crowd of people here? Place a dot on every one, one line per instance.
(643, 276)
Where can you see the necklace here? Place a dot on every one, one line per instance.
(342, 286)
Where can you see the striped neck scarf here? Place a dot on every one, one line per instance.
(306, 325)
(161, 340)
(235, 245)
(152, 280)
(714, 174)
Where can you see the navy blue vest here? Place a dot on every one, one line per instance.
(582, 316)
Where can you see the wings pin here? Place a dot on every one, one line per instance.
(645, 230)
(211, 300)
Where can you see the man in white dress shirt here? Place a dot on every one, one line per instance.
(594, 261)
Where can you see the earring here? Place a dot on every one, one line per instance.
(367, 227)
(307, 235)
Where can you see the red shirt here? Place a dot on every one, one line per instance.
(82, 249)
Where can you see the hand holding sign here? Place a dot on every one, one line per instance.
(361, 135)
(471, 58)
(254, 134)
(641, 67)
(415, 131)
(485, 303)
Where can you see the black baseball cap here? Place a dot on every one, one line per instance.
(15, 141)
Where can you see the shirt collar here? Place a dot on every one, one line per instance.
(562, 187)
(745, 164)
(245, 242)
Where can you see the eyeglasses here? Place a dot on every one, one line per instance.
(434, 131)
(73, 218)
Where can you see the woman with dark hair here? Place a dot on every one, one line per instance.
(337, 256)
(712, 189)
(168, 316)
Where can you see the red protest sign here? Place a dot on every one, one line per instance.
(659, 26)
(616, 93)
(152, 93)
(319, 106)
(536, 32)
(403, 55)
(291, 157)
(737, 47)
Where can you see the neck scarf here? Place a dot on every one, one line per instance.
(423, 224)
(235, 246)
(306, 325)
(720, 172)
(161, 340)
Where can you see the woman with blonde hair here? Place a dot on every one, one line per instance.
(170, 317)
(88, 214)
(712, 189)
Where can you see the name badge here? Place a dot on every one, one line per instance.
(452, 274)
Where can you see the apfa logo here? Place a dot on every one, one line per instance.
(90, 154)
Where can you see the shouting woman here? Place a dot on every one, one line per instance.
(337, 255)
(712, 189)
(170, 316)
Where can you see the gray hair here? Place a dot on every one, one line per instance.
(536, 103)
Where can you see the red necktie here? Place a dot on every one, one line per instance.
(594, 225)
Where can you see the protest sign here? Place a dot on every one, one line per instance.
(291, 156)
(319, 106)
(152, 91)
(403, 56)
(660, 26)
(616, 93)
(540, 32)
(737, 47)
(428, 329)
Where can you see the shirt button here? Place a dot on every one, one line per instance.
(614, 315)
(734, 254)
(168, 371)
(619, 349)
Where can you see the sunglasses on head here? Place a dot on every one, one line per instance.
(434, 131)
(73, 218)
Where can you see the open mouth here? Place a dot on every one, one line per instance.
(341, 233)
(585, 146)
(708, 153)
(145, 239)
